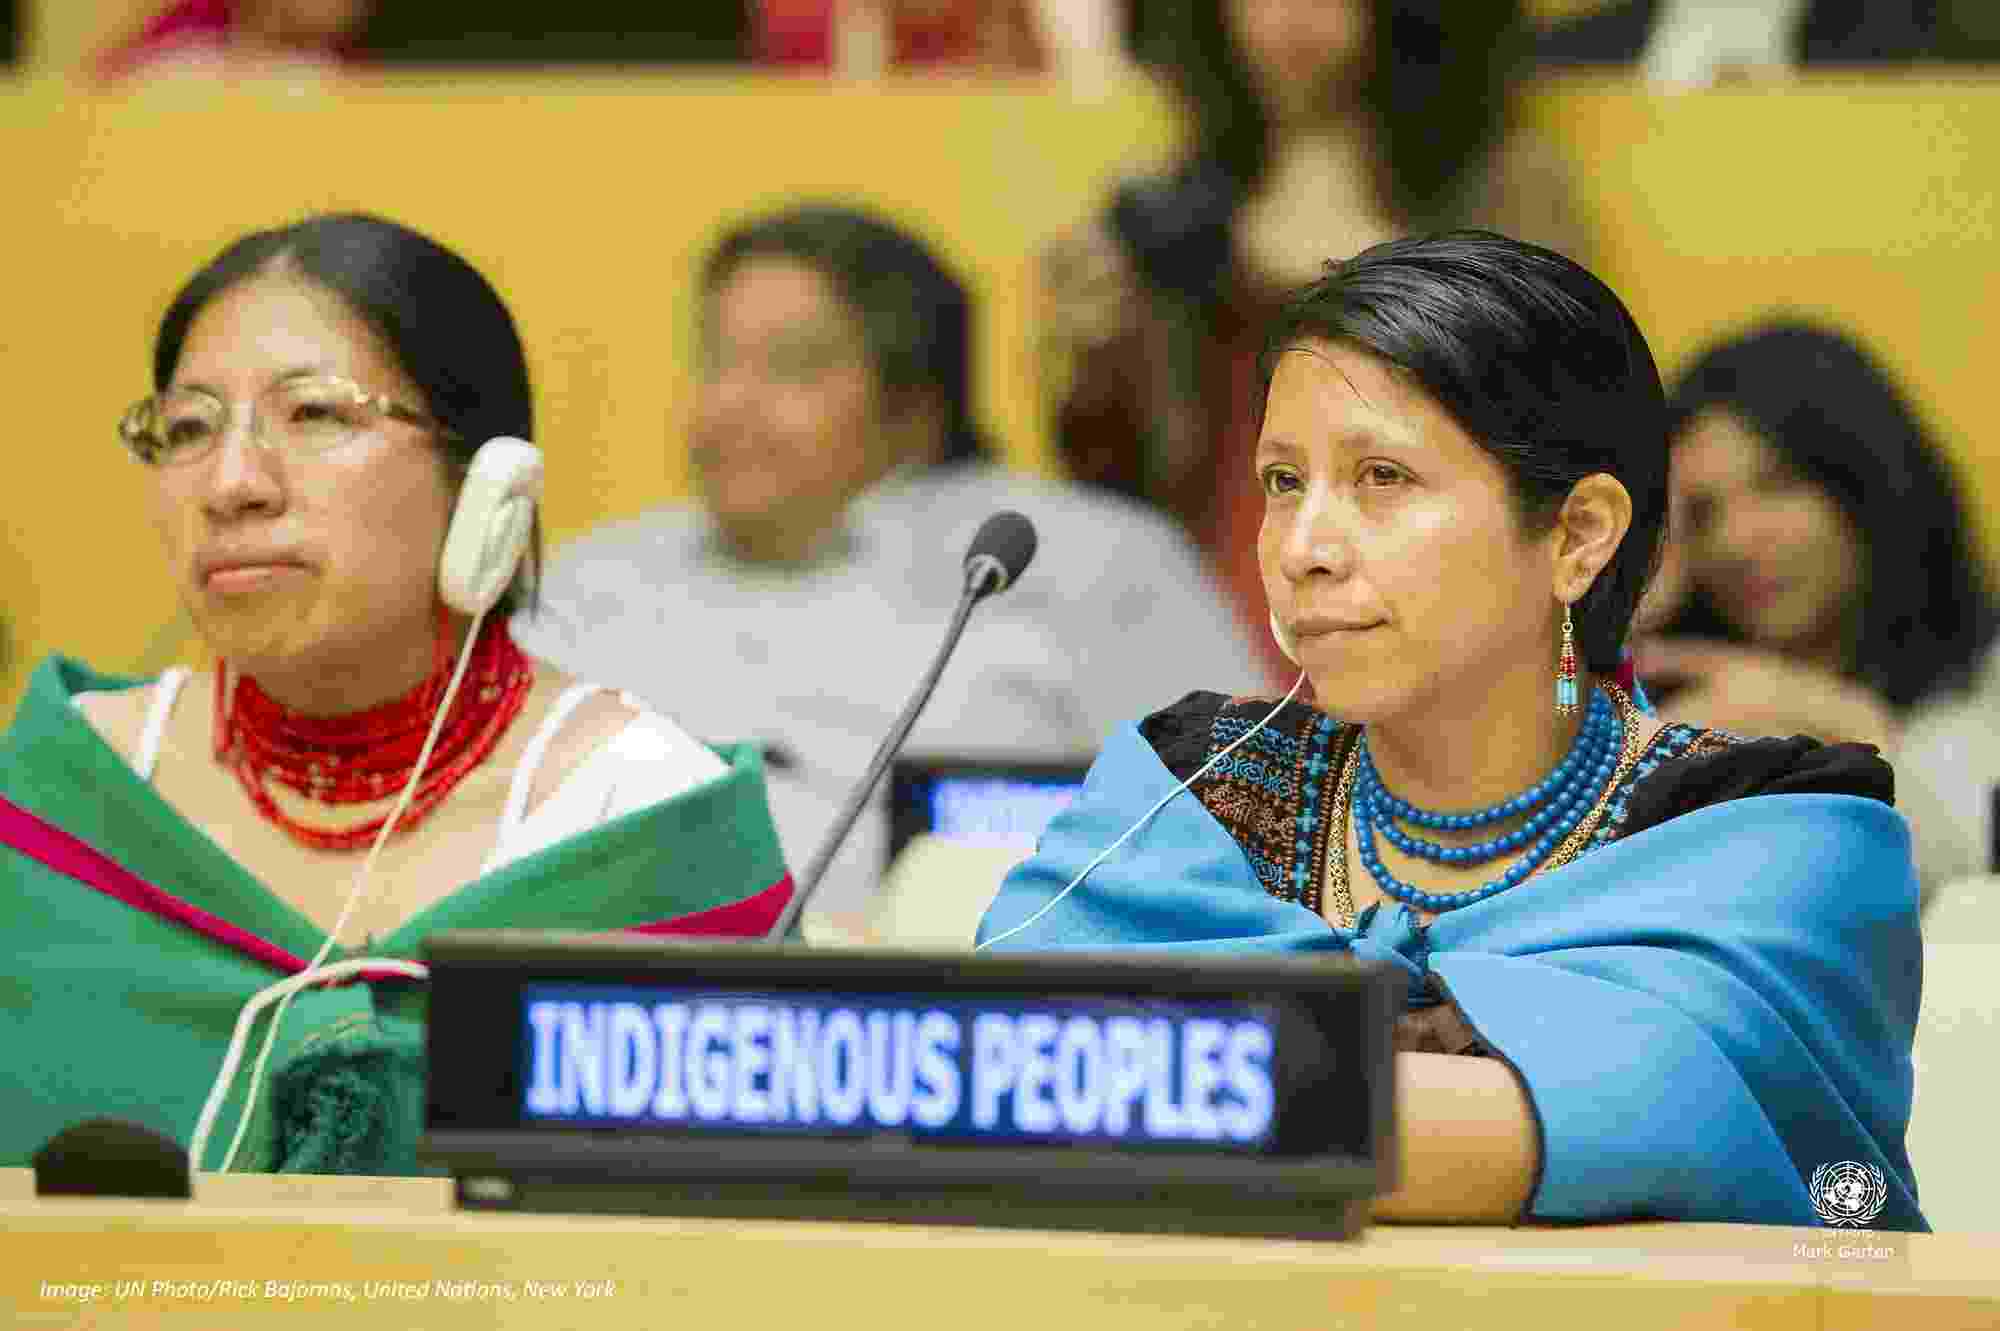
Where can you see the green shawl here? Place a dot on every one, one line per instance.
(115, 1010)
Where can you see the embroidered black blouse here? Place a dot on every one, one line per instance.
(1274, 793)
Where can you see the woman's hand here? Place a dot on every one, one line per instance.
(1466, 1144)
(1752, 691)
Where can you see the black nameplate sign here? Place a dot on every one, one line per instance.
(586, 1073)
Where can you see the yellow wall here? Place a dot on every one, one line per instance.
(1869, 203)
(588, 201)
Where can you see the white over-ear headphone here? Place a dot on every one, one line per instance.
(1283, 637)
(490, 526)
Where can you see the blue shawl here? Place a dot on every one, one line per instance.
(1703, 1013)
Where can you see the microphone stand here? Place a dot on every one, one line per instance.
(980, 571)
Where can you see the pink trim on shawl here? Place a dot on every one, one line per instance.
(39, 839)
(42, 840)
(752, 917)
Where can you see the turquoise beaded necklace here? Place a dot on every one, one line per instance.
(1557, 803)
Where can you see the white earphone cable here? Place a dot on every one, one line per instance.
(283, 989)
(1144, 818)
(313, 974)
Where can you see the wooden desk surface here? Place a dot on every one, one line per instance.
(302, 1252)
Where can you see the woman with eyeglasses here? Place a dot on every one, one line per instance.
(1654, 970)
(170, 847)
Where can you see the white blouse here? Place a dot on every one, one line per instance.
(651, 759)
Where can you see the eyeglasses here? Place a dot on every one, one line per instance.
(299, 417)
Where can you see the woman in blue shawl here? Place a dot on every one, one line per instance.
(1655, 971)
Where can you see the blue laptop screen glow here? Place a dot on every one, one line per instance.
(996, 811)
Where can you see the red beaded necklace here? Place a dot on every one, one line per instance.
(369, 755)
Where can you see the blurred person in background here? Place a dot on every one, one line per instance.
(240, 37)
(868, 37)
(535, 34)
(840, 475)
(1320, 127)
(1829, 584)
(1688, 43)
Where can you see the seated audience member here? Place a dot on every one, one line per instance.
(1639, 986)
(869, 37)
(537, 34)
(240, 37)
(840, 477)
(1319, 128)
(1688, 43)
(169, 848)
(1830, 583)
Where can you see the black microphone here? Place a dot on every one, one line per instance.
(993, 563)
(1000, 550)
(108, 1157)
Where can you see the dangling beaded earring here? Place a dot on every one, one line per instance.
(1566, 671)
